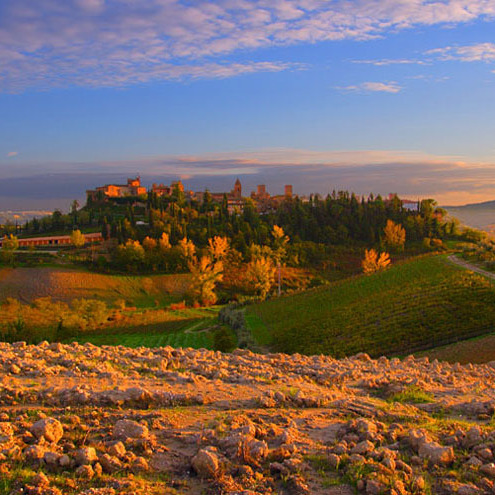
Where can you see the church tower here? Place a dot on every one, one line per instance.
(237, 189)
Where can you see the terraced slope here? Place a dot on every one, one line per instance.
(413, 306)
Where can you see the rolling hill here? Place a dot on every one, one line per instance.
(413, 306)
(477, 215)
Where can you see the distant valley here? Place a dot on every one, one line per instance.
(477, 215)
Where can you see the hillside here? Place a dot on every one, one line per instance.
(65, 284)
(86, 420)
(477, 215)
(412, 306)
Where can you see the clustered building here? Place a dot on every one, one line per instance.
(235, 201)
(132, 188)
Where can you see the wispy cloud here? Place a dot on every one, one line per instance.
(118, 42)
(449, 179)
(480, 52)
(372, 87)
(10, 154)
(391, 61)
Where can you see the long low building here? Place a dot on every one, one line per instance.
(56, 240)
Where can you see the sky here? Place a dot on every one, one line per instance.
(364, 95)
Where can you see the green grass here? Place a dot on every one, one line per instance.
(412, 395)
(415, 305)
(186, 328)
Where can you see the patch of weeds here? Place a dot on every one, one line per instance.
(290, 391)
(412, 395)
(319, 462)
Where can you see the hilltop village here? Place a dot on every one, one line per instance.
(262, 199)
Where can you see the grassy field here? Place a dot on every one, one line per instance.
(476, 350)
(184, 328)
(65, 284)
(413, 306)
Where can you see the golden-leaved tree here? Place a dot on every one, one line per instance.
(206, 273)
(164, 242)
(260, 276)
(187, 250)
(218, 247)
(373, 262)
(395, 235)
(10, 244)
(77, 239)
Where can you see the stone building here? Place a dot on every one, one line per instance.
(132, 188)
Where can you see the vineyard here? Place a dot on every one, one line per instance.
(413, 306)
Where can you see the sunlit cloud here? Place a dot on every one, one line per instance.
(481, 52)
(96, 43)
(11, 154)
(372, 87)
(449, 179)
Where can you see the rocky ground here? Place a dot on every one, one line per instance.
(112, 420)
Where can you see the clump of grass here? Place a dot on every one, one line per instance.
(412, 395)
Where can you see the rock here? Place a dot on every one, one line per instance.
(255, 450)
(48, 428)
(6, 432)
(416, 438)
(363, 448)
(401, 465)
(374, 487)
(85, 472)
(117, 449)
(14, 369)
(488, 470)
(51, 458)
(207, 463)
(486, 454)
(40, 479)
(389, 463)
(34, 453)
(110, 464)
(64, 461)
(474, 461)
(86, 455)
(473, 437)
(126, 428)
(468, 489)
(139, 464)
(436, 454)
(419, 483)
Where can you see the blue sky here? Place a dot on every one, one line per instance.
(372, 96)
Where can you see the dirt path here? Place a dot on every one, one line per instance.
(454, 259)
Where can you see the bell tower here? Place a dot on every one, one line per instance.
(237, 189)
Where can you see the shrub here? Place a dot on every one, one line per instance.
(223, 340)
(373, 263)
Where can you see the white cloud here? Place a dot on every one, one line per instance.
(481, 52)
(384, 62)
(373, 87)
(12, 153)
(117, 42)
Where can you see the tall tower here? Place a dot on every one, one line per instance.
(237, 189)
(288, 191)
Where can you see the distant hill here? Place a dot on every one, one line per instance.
(477, 215)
